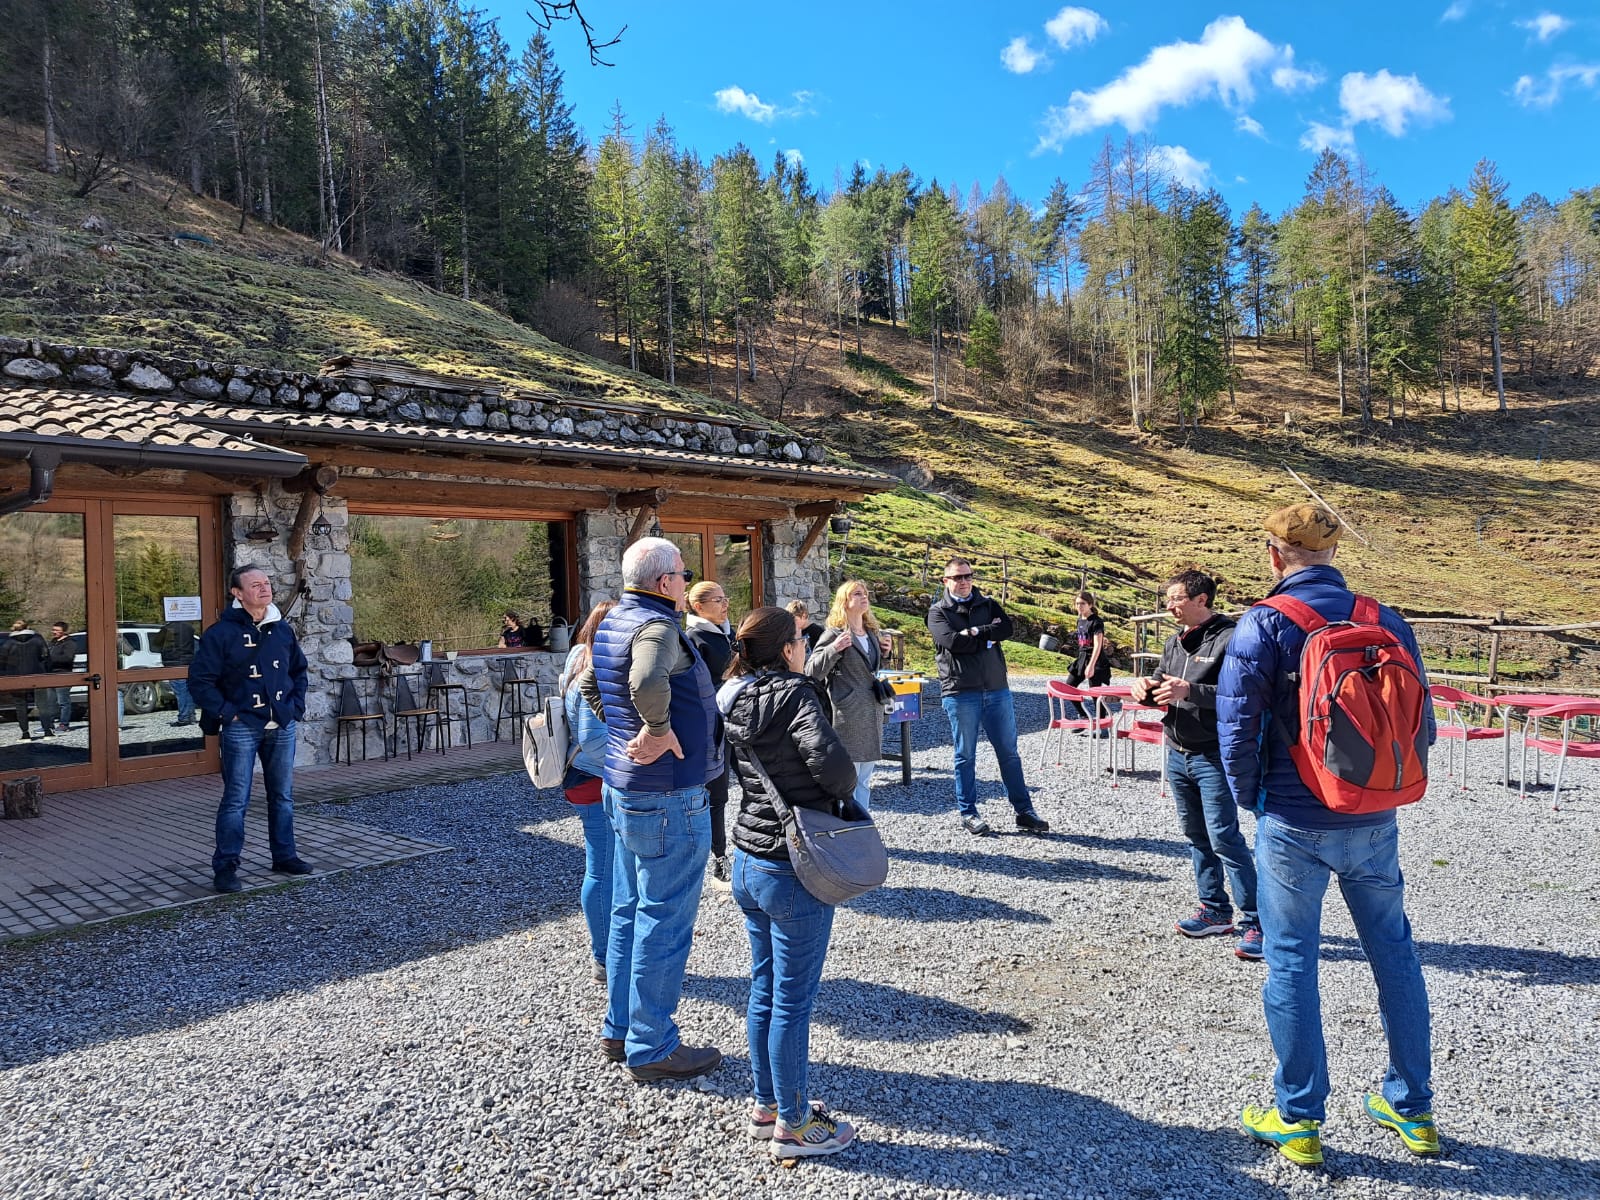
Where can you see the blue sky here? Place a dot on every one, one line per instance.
(1239, 96)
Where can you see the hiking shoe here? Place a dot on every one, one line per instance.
(613, 1049)
(1031, 822)
(597, 971)
(1418, 1133)
(1250, 945)
(1206, 922)
(976, 826)
(686, 1062)
(295, 866)
(720, 873)
(764, 1119)
(1300, 1142)
(226, 881)
(821, 1134)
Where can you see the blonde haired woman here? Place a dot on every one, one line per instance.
(845, 662)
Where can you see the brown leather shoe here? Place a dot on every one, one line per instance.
(612, 1049)
(686, 1062)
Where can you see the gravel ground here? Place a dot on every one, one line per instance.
(1007, 1017)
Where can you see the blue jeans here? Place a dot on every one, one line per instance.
(994, 711)
(180, 689)
(599, 853)
(789, 930)
(242, 742)
(863, 792)
(663, 841)
(1210, 820)
(1294, 866)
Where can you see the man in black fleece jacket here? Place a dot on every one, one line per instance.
(1185, 683)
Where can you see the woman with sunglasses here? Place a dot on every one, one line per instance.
(774, 718)
(711, 634)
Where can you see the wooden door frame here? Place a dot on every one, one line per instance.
(706, 529)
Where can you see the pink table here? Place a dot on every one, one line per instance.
(1526, 702)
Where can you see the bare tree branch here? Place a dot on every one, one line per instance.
(551, 11)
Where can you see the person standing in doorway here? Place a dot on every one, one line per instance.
(708, 627)
(968, 628)
(177, 650)
(25, 654)
(61, 654)
(248, 678)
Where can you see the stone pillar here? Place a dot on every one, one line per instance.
(788, 579)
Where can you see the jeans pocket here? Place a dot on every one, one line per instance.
(642, 830)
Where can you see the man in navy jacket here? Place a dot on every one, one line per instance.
(1300, 843)
(248, 679)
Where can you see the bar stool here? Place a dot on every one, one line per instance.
(353, 714)
(512, 682)
(437, 683)
(406, 707)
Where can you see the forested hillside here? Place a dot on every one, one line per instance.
(1113, 374)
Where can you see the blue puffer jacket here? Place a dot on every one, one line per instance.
(587, 730)
(254, 672)
(1254, 685)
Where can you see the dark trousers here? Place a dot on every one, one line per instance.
(717, 793)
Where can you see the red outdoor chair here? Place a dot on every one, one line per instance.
(1576, 717)
(1061, 697)
(1150, 733)
(1457, 706)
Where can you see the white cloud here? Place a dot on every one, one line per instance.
(1392, 101)
(735, 99)
(1319, 137)
(1180, 165)
(1245, 123)
(1019, 57)
(1072, 26)
(1542, 93)
(1220, 64)
(793, 157)
(1455, 12)
(1545, 26)
(748, 104)
(1289, 78)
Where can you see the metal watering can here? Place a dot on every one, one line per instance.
(560, 636)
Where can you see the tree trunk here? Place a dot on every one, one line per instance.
(1494, 341)
(264, 135)
(1339, 360)
(52, 162)
(672, 343)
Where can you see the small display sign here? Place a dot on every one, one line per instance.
(906, 704)
(180, 608)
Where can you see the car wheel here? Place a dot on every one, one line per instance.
(140, 698)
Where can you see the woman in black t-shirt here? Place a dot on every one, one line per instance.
(1092, 667)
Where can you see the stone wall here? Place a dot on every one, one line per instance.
(549, 413)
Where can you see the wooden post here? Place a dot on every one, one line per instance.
(927, 561)
(1005, 577)
(812, 534)
(1494, 651)
(22, 797)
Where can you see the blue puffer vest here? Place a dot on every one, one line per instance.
(693, 710)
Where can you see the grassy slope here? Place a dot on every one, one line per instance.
(1466, 514)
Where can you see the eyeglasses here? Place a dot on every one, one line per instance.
(688, 575)
(958, 578)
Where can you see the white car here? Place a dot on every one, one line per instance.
(137, 697)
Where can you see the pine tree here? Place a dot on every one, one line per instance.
(1486, 241)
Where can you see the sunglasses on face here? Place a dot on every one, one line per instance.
(958, 578)
(688, 575)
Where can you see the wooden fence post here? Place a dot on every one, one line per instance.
(927, 561)
(1005, 577)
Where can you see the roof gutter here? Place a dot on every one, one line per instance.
(42, 464)
(142, 457)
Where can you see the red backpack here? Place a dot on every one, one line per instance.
(1361, 744)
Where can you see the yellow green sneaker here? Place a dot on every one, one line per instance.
(1300, 1142)
(1418, 1133)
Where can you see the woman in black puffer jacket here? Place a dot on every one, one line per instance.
(774, 713)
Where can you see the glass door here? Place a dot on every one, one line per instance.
(725, 553)
(116, 592)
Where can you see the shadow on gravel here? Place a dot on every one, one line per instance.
(940, 904)
(1467, 1168)
(872, 1012)
(1128, 845)
(1468, 958)
(1061, 871)
(168, 969)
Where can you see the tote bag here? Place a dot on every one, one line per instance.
(545, 744)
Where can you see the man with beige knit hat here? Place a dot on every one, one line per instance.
(1301, 843)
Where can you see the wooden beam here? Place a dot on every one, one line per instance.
(812, 535)
(742, 509)
(822, 508)
(319, 479)
(505, 498)
(164, 484)
(641, 522)
(620, 478)
(642, 498)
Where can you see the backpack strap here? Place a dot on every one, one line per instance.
(1298, 611)
(1365, 611)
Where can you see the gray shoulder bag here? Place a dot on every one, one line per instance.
(835, 859)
